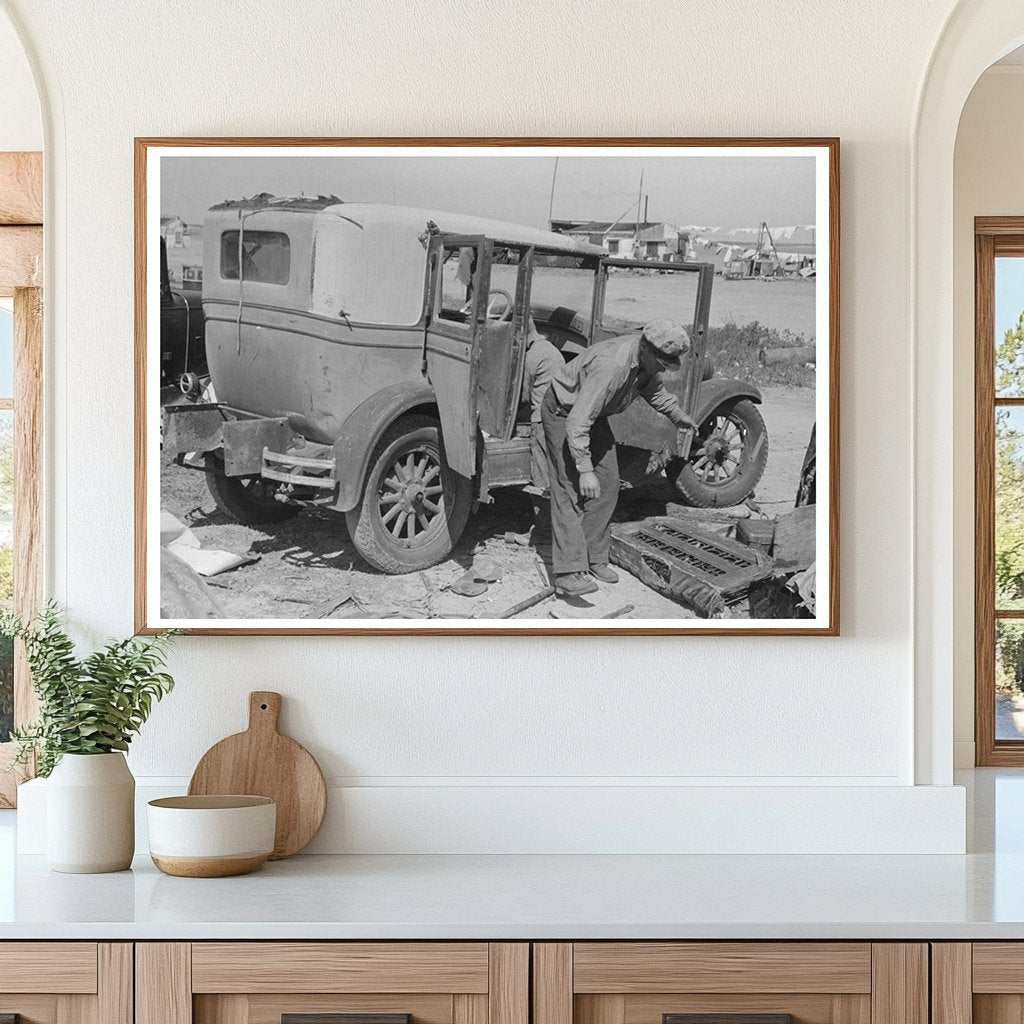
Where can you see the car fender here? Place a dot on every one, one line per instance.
(363, 429)
(719, 390)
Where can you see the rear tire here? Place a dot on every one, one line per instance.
(727, 459)
(414, 506)
(248, 500)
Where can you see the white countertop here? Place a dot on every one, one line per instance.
(516, 897)
(978, 896)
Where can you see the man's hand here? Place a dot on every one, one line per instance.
(589, 486)
(684, 422)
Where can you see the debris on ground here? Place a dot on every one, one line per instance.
(529, 602)
(793, 546)
(183, 595)
(803, 584)
(591, 613)
(696, 567)
(179, 539)
(467, 585)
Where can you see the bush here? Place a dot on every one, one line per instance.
(735, 348)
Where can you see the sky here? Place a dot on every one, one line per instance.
(6, 354)
(713, 191)
(1009, 293)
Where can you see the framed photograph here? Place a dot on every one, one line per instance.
(450, 386)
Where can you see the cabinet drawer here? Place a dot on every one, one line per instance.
(65, 967)
(66, 982)
(340, 967)
(634, 967)
(981, 982)
(730, 983)
(332, 983)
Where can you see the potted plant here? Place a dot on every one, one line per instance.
(89, 710)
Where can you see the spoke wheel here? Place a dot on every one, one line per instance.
(411, 496)
(727, 459)
(414, 506)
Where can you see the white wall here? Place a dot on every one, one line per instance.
(987, 181)
(424, 715)
(21, 125)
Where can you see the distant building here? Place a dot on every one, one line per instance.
(758, 252)
(184, 251)
(177, 233)
(648, 240)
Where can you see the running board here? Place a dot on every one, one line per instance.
(287, 469)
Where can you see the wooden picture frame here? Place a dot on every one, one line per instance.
(21, 278)
(149, 154)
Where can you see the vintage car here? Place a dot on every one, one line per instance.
(369, 359)
(182, 344)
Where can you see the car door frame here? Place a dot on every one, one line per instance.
(448, 346)
(636, 425)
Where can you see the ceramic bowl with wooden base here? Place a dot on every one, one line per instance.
(211, 836)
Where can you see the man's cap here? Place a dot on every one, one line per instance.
(668, 338)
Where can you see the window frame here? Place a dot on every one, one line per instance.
(224, 248)
(993, 237)
(21, 278)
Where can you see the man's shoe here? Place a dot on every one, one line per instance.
(574, 584)
(605, 573)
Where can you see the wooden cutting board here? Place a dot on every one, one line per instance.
(262, 762)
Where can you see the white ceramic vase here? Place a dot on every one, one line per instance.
(90, 814)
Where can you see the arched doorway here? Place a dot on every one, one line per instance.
(976, 34)
(21, 250)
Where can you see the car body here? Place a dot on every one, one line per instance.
(341, 336)
(182, 340)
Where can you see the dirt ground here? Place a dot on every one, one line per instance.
(307, 567)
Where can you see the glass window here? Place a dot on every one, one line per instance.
(562, 292)
(455, 284)
(266, 256)
(1009, 679)
(6, 518)
(634, 295)
(1004, 403)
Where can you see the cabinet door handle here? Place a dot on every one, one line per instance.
(727, 1018)
(338, 1018)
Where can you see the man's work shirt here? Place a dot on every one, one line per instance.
(604, 381)
(543, 361)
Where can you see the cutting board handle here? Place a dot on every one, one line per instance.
(264, 710)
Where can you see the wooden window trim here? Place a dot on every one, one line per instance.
(993, 236)
(21, 269)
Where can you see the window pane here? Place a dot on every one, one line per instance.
(562, 293)
(632, 297)
(6, 353)
(1009, 512)
(1009, 326)
(266, 256)
(1009, 679)
(458, 271)
(6, 563)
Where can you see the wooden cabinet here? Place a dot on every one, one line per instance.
(758, 982)
(494, 983)
(305, 982)
(66, 982)
(978, 983)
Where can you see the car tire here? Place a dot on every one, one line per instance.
(727, 458)
(414, 505)
(247, 500)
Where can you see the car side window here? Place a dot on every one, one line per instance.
(455, 284)
(266, 256)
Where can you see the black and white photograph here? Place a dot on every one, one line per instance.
(455, 387)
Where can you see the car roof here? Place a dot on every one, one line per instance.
(411, 217)
(463, 224)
